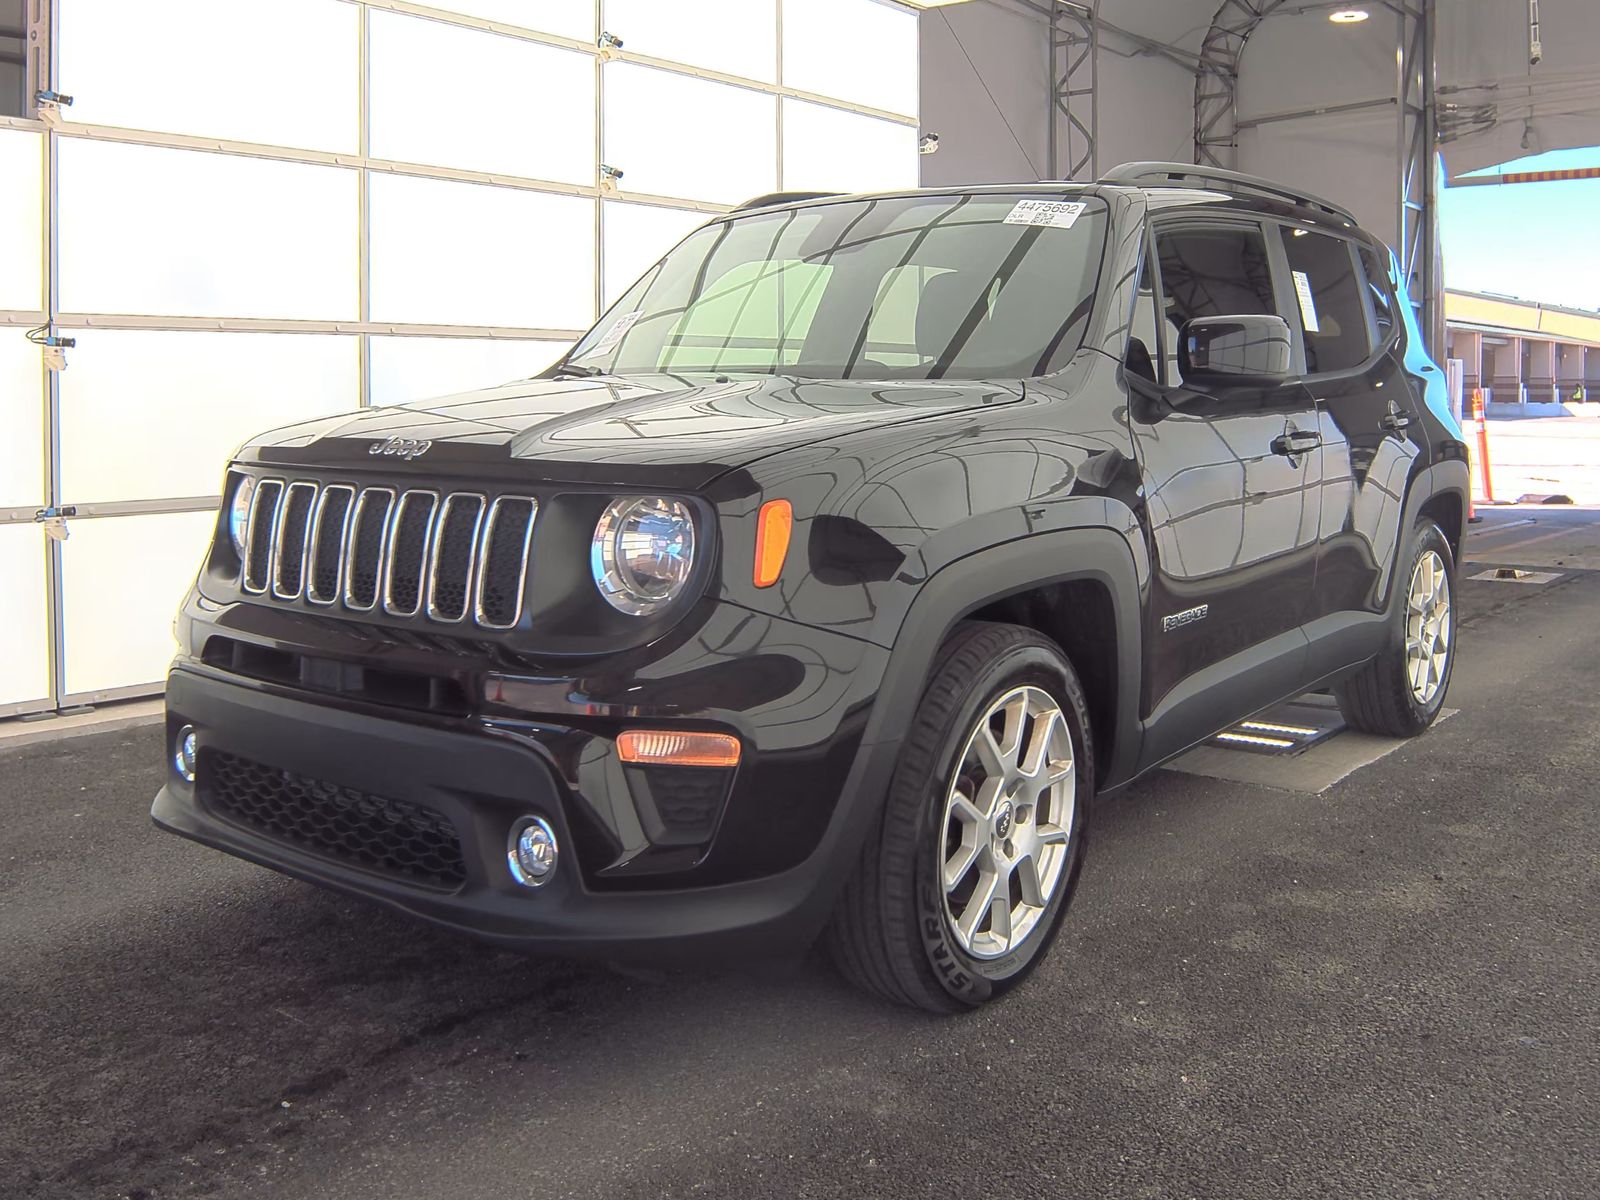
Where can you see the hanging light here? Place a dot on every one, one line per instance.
(1348, 16)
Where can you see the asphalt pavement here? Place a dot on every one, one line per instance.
(1388, 989)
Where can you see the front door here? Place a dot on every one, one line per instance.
(1230, 480)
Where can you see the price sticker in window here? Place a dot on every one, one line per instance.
(619, 328)
(1308, 306)
(1059, 214)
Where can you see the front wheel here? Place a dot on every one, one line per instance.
(959, 893)
(1400, 693)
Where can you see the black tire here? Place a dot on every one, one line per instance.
(891, 933)
(1379, 699)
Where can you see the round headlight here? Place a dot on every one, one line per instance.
(239, 513)
(642, 553)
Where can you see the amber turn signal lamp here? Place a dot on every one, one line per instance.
(660, 747)
(773, 528)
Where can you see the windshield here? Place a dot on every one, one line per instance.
(909, 287)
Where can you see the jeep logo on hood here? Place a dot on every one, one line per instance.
(400, 447)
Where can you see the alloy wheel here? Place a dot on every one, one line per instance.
(1428, 627)
(1007, 823)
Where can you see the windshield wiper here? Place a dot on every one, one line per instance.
(576, 371)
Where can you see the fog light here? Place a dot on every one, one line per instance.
(532, 852)
(183, 754)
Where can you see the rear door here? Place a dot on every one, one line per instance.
(1232, 513)
(1349, 329)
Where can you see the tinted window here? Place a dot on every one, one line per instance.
(1329, 295)
(925, 287)
(1378, 291)
(1211, 273)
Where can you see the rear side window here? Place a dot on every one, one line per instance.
(1211, 273)
(1328, 292)
(1383, 313)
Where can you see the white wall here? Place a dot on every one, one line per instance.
(1000, 134)
(984, 139)
(1350, 157)
(1146, 108)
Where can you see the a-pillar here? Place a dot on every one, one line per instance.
(1539, 370)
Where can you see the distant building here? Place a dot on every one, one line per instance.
(1522, 352)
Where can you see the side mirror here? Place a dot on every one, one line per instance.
(1245, 349)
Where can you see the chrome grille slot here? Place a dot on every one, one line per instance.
(503, 561)
(289, 540)
(455, 547)
(330, 527)
(452, 558)
(369, 541)
(258, 538)
(410, 539)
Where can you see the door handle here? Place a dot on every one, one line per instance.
(1296, 441)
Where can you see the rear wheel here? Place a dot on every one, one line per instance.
(1400, 693)
(962, 887)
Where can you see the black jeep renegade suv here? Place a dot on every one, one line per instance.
(830, 578)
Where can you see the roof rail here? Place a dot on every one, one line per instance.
(1172, 174)
(771, 198)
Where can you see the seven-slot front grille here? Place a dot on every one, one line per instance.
(454, 557)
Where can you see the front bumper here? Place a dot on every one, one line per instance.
(481, 781)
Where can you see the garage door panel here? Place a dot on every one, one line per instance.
(21, 420)
(827, 149)
(22, 219)
(449, 253)
(200, 67)
(24, 644)
(566, 18)
(150, 230)
(122, 581)
(406, 369)
(856, 50)
(673, 135)
(148, 414)
(514, 86)
(736, 37)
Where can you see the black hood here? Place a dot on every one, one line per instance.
(655, 429)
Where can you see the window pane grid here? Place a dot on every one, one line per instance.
(353, 261)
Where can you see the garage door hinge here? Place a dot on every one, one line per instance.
(54, 520)
(55, 346)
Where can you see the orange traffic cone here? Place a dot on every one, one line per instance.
(1481, 421)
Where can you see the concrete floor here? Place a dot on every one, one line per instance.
(1388, 989)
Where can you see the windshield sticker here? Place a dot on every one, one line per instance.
(1061, 214)
(619, 327)
(1308, 306)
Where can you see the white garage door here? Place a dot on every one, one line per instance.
(267, 210)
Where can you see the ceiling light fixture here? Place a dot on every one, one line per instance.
(1348, 16)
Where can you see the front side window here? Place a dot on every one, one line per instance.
(911, 287)
(1328, 293)
(1211, 272)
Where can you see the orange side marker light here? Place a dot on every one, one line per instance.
(773, 527)
(669, 748)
